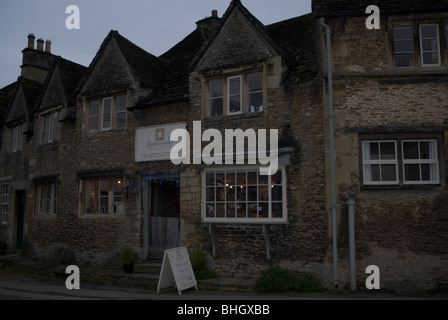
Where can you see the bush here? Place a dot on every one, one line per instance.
(126, 256)
(198, 260)
(274, 279)
(308, 283)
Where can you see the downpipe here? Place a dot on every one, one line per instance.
(333, 204)
(351, 236)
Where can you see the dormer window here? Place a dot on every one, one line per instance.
(14, 138)
(235, 94)
(105, 114)
(50, 127)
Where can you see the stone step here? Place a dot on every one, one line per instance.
(148, 267)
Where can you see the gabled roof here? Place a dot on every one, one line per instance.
(358, 7)
(6, 96)
(145, 68)
(174, 86)
(259, 27)
(70, 74)
(25, 100)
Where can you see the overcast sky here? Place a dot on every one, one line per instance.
(154, 25)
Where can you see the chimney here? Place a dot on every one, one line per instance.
(31, 38)
(40, 44)
(209, 22)
(48, 46)
(215, 13)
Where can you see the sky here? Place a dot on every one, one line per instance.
(154, 25)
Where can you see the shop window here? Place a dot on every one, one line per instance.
(243, 196)
(103, 196)
(5, 203)
(106, 114)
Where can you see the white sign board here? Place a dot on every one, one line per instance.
(176, 270)
(153, 143)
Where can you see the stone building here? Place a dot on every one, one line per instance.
(87, 164)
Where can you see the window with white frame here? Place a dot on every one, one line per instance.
(243, 196)
(420, 162)
(5, 203)
(429, 45)
(235, 94)
(106, 114)
(380, 162)
(46, 198)
(401, 162)
(103, 196)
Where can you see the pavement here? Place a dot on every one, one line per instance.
(144, 281)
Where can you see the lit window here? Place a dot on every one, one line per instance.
(103, 196)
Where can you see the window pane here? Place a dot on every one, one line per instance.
(241, 210)
(403, 33)
(388, 172)
(277, 210)
(254, 82)
(277, 194)
(234, 86)
(404, 46)
(263, 193)
(430, 58)
(252, 194)
(220, 210)
(410, 150)
(90, 197)
(121, 112)
(388, 151)
(412, 172)
(404, 60)
(255, 102)
(93, 115)
(426, 172)
(210, 179)
(375, 173)
(241, 193)
(210, 210)
(374, 151)
(107, 113)
(216, 88)
(428, 31)
(104, 196)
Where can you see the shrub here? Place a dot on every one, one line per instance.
(274, 279)
(308, 283)
(126, 256)
(198, 260)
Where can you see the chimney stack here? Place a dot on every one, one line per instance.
(214, 13)
(31, 38)
(40, 44)
(48, 46)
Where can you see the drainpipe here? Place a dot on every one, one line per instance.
(333, 203)
(351, 236)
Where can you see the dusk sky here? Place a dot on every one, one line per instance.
(154, 25)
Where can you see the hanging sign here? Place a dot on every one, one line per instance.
(153, 143)
(176, 271)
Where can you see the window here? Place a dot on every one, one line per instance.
(235, 98)
(429, 44)
(420, 162)
(14, 138)
(216, 98)
(400, 162)
(49, 127)
(5, 203)
(106, 114)
(404, 46)
(103, 196)
(240, 94)
(46, 196)
(243, 196)
(405, 49)
(446, 37)
(380, 162)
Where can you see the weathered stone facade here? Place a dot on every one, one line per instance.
(89, 153)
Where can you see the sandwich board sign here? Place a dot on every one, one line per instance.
(176, 270)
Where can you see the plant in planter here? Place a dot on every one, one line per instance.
(127, 260)
(2, 247)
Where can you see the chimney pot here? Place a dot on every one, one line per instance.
(31, 41)
(48, 46)
(214, 13)
(40, 44)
